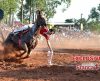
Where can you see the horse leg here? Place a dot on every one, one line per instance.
(33, 44)
(29, 51)
(25, 48)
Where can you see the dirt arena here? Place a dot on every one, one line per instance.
(36, 67)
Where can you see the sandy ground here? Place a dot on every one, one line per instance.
(36, 68)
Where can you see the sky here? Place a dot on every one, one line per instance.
(76, 8)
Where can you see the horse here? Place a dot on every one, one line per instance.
(22, 41)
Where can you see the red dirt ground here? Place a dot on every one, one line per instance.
(36, 67)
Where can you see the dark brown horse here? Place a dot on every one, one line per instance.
(21, 41)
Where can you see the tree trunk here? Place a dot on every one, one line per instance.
(22, 11)
(30, 15)
(33, 17)
(12, 22)
(10, 17)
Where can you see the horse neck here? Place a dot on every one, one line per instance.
(32, 30)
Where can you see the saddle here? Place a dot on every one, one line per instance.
(21, 32)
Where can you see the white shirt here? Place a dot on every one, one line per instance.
(22, 28)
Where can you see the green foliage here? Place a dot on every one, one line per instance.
(94, 14)
(98, 8)
(93, 21)
(48, 6)
(69, 21)
(94, 26)
(9, 6)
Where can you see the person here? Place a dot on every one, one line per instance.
(23, 28)
(21, 31)
(46, 33)
(41, 28)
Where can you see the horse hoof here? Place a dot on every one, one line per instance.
(25, 57)
(18, 55)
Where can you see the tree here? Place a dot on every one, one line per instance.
(95, 19)
(98, 8)
(69, 21)
(9, 7)
(94, 14)
(22, 10)
(48, 6)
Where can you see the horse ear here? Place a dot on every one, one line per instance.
(1, 14)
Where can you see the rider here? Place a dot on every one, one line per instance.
(41, 28)
(22, 29)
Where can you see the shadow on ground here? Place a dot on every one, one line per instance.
(74, 51)
(52, 73)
